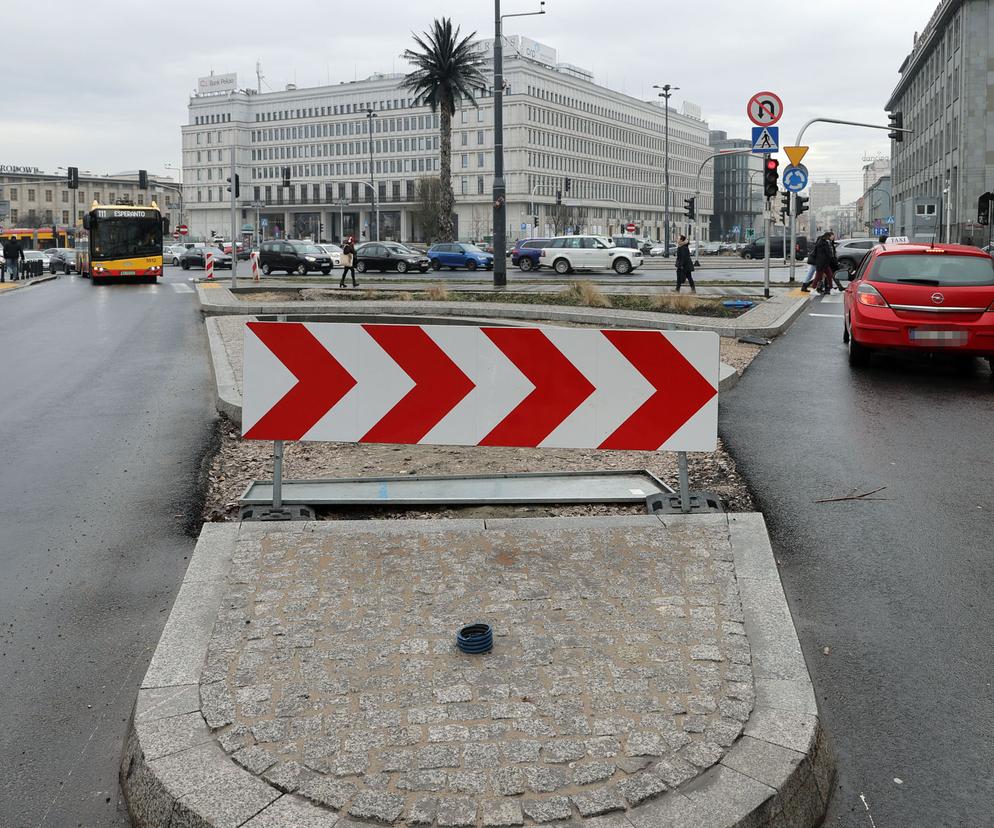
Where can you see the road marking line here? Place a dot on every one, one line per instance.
(208, 285)
(863, 797)
(181, 288)
(827, 315)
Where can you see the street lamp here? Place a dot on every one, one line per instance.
(667, 91)
(169, 166)
(74, 217)
(500, 187)
(372, 186)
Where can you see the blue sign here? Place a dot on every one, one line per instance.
(794, 178)
(889, 220)
(736, 229)
(264, 222)
(765, 139)
(881, 231)
(524, 226)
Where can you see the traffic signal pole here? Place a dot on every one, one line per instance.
(892, 128)
(697, 190)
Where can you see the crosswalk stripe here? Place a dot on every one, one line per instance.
(179, 287)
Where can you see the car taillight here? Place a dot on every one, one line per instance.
(869, 295)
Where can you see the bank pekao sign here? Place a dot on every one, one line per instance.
(11, 169)
(217, 83)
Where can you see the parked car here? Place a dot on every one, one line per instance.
(633, 242)
(851, 252)
(755, 248)
(62, 260)
(459, 254)
(568, 253)
(334, 251)
(921, 297)
(172, 252)
(196, 257)
(38, 255)
(293, 257)
(385, 256)
(710, 248)
(243, 251)
(527, 253)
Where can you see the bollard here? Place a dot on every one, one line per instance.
(209, 265)
(254, 256)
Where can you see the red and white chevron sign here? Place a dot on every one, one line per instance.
(481, 386)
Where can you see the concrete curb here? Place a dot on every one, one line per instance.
(25, 283)
(219, 301)
(779, 773)
(229, 398)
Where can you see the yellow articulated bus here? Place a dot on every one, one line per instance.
(125, 243)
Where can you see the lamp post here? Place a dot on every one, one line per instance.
(666, 91)
(73, 223)
(500, 187)
(169, 166)
(372, 185)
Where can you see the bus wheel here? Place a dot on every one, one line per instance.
(96, 280)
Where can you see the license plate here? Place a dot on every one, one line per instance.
(127, 273)
(948, 339)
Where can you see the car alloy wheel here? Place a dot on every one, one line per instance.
(525, 263)
(562, 266)
(360, 266)
(301, 270)
(266, 269)
(471, 265)
(436, 264)
(622, 266)
(402, 267)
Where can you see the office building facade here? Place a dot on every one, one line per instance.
(31, 198)
(558, 125)
(942, 167)
(738, 190)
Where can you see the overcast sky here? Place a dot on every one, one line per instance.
(67, 102)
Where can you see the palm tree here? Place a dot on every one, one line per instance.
(447, 69)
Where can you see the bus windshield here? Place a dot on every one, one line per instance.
(112, 238)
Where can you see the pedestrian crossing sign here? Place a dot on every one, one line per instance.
(765, 139)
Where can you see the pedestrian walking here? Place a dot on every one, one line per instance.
(13, 255)
(348, 261)
(826, 264)
(684, 265)
(812, 268)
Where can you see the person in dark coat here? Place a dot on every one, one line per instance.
(13, 255)
(684, 265)
(348, 261)
(826, 264)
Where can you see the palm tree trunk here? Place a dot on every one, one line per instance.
(445, 177)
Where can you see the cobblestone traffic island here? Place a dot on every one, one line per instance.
(620, 668)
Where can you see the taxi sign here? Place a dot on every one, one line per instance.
(898, 240)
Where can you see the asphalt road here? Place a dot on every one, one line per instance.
(893, 599)
(105, 412)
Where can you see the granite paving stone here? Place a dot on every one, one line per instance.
(619, 670)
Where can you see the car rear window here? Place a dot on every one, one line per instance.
(536, 245)
(934, 269)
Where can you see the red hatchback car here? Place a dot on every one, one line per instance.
(921, 297)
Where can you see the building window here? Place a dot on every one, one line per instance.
(924, 209)
(465, 165)
(31, 193)
(13, 193)
(479, 137)
(464, 185)
(479, 185)
(464, 138)
(48, 196)
(65, 196)
(65, 216)
(479, 159)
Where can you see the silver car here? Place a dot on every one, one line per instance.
(851, 252)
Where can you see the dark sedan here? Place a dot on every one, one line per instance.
(389, 256)
(62, 260)
(194, 257)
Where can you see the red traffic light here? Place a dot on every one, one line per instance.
(772, 163)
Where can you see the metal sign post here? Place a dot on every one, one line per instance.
(684, 474)
(768, 226)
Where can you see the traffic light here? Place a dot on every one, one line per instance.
(73, 175)
(688, 205)
(896, 123)
(536, 221)
(800, 204)
(770, 177)
(142, 180)
(785, 203)
(238, 189)
(984, 209)
(286, 176)
(566, 185)
(559, 196)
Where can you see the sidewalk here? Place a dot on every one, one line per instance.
(9, 286)
(643, 668)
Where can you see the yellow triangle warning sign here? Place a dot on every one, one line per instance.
(795, 154)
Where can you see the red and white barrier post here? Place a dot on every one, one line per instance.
(254, 257)
(209, 265)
